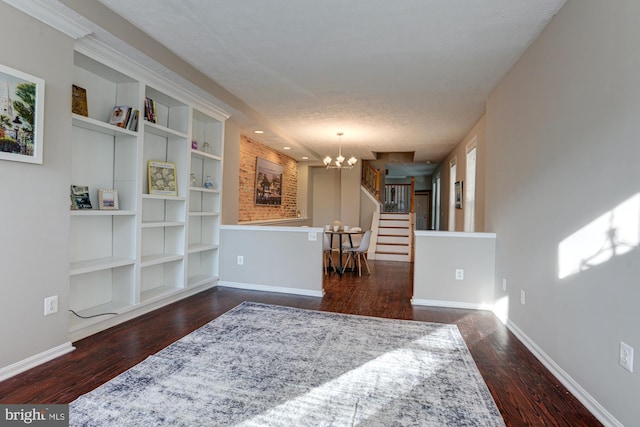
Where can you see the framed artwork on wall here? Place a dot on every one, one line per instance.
(21, 116)
(458, 194)
(268, 183)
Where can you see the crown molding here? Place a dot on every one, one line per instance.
(43, 11)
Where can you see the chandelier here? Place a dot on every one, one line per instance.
(338, 164)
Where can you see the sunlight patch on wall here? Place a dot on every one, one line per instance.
(614, 233)
(501, 309)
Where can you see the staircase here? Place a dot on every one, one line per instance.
(394, 237)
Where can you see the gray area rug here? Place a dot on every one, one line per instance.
(265, 365)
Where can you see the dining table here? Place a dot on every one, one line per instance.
(342, 232)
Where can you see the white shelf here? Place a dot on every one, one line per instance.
(160, 197)
(76, 323)
(204, 213)
(158, 293)
(205, 190)
(162, 131)
(101, 127)
(156, 259)
(199, 247)
(162, 224)
(97, 212)
(90, 266)
(201, 280)
(205, 155)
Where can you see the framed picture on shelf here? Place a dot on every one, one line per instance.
(79, 101)
(458, 194)
(268, 183)
(21, 128)
(108, 199)
(162, 178)
(80, 197)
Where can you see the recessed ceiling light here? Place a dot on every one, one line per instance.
(305, 158)
(287, 148)
(258, 131)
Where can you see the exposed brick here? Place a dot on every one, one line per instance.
(250, 150)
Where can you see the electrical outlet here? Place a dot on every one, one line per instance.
(313, 236)
(504, 284)
(50, 305)
(240, 260)
(459, 274)
(522, 297)
(626, 356)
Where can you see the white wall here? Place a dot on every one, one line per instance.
(563, 150)
(34, 198)
(438, 254)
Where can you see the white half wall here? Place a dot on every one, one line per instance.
(276, 259)
(438, 254)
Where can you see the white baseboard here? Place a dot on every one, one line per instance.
(35, 360)
(581, 394)
(451, 304)
(277, 289)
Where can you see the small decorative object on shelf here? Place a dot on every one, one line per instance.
(207, 182)
(206, 147)
(194, 144)
(120, 116)
(162, 178)
(80, 197)
(79, 101)
(194, 182)
(108, 199)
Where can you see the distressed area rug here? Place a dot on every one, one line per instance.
(265, 365)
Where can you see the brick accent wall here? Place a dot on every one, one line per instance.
(250, 150)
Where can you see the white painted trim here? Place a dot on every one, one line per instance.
(273, 221)
(272, 228)
(604, 416)
(472, 144)
(277, 289)
(41, 11)
(452, 304)
(35, 360)
(431, 233)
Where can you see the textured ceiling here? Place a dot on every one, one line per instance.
(409, 75)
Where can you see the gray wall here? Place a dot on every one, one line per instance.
(438, 254)
(34, 249)
(230, 171)
(280, 259)
(563, 150)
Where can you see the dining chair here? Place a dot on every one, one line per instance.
(327, 254)
(359, 254)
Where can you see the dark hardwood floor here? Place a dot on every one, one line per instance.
(524, 390)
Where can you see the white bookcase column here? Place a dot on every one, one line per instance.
(155, 249)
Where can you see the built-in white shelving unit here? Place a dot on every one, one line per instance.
(155, 249)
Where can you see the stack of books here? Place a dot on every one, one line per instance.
(150, 113)
(125, 117)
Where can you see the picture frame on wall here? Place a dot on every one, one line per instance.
(108, 199)
(458, 194)
(22, 124)
(268, 191)
(162, 178)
